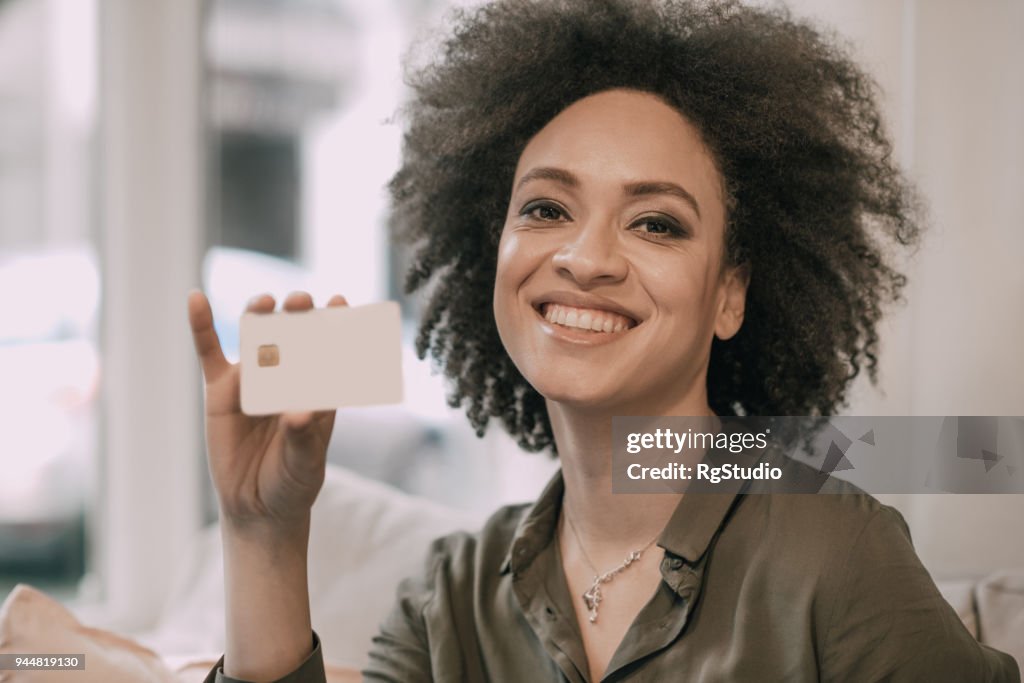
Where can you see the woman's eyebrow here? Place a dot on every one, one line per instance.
(567, 178)
(662, 187)
(559, 175)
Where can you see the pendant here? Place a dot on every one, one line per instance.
(592, 598)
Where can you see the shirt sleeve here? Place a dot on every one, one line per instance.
(310, 671)
(890, 623)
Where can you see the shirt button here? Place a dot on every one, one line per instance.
(676, 563)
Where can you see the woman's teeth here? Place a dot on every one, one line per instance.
(585, 318)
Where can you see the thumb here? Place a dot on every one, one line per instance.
(305, 449)
(297, 422)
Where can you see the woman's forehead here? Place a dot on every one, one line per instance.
(619, 137)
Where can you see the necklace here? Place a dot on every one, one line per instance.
(592, 596)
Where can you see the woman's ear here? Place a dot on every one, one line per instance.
(733, 300)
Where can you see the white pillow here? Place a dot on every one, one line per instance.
(365, 537)
(1000, 599)
(959, 593)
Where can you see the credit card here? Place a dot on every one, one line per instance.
(321, 359)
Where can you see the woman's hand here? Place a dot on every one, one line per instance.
(267, 470)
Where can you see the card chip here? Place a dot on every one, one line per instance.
(267, 356)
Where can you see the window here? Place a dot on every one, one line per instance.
(49, 358)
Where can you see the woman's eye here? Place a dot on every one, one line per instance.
(544, 212)
(659, 227)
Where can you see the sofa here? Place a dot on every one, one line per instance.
(386, 534)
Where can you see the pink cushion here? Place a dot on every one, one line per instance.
(31, 622)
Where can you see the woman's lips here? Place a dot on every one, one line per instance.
(577, 335)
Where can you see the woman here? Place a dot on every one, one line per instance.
(629, 209)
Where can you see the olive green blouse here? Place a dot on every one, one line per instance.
(771, 587)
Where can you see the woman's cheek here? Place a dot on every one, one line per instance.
(504, 285)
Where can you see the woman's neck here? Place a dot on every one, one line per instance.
(609, 525)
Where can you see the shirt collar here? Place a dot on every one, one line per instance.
(696, 520)
(700, 514)
(689, 532)
(536, 528)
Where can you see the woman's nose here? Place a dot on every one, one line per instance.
(591, 254)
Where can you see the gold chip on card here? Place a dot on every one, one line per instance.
(267, 356)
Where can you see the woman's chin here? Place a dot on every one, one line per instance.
(592, 399)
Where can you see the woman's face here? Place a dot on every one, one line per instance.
(610, 279)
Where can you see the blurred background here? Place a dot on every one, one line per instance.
(243, 146)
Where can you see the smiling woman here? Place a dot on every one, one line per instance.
(601, 224)
(786, 156)
(624, 208)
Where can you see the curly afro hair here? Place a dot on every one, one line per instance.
(815, 203)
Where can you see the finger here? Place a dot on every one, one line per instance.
(204, 336)
(298, 301)
(302, 424)
(338, 300)
(297, 421)
(261, 303)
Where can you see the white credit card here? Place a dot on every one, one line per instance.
(321, 359)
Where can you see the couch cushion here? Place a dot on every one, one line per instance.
(959, 593)
(365, 537)
(1000, 600)
(33, 622)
